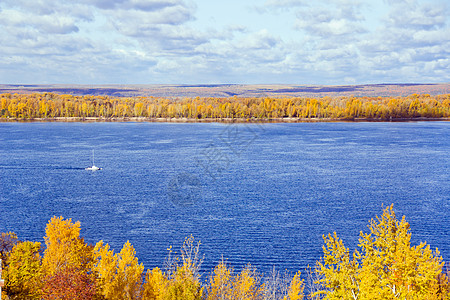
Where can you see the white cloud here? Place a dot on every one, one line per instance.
(167, 41)
(281, 4)
(432, 37)
(412, 14)
(334, 27)
(260, 40)
(132, 22)
(143, 5)
(409, 39)
(326, 20)
(45, 24)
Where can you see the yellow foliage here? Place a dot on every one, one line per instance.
(391, 266)
(120, 274)
(296, 288)
(220, 283)
(53, 105)
(7, 242)
(184, 280)
(65, 249)
(23, 277)
(387, 267)
(184, 286)
(246, 285)
(338, 273)
(155, 285)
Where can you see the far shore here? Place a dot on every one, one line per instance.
(218, 120)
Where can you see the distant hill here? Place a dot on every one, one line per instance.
(229, 90)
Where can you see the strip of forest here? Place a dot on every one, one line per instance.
(38, 106)
(386, 266)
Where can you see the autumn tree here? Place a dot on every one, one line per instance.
(181, 279)
(246, 284)
(53, 105)
(64, 247)
(120, 274)
(224, 284)
(391, 266)
(138, 109)
(386, 267)
(338, 272)
(220, 284)
(155, 286)
(66, 258)
(69, 284)
(23, 275)
(7, 242)
(184, 273)
(296, 288)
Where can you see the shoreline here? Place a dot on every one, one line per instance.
(218, 120)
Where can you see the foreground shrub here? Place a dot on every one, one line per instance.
(385, 267)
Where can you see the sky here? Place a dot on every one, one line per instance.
(329, 42)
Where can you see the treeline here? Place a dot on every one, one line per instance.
(49, 105)
(386, 266)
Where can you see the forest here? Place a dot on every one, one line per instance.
(386, 266)
(51, 106)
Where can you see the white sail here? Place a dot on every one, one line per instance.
(94, 167)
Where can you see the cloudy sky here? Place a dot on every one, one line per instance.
(228, 41)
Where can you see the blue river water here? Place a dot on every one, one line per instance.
(262, 194)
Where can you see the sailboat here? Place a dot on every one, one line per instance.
(93, 168)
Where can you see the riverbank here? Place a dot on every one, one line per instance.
(218, 120)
